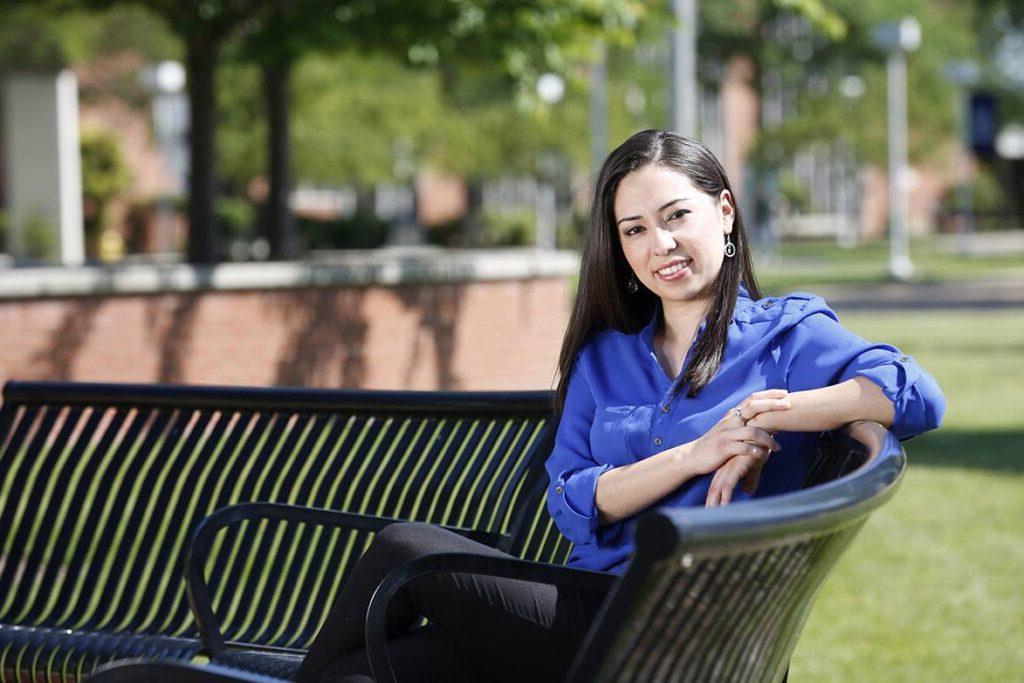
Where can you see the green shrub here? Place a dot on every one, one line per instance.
(39, 237)
(104, 176)
(356, 232)
(508, 228)
(236, 218)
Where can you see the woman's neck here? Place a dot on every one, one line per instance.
(679, 324)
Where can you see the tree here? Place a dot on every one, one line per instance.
(203, 27)
(521, 38)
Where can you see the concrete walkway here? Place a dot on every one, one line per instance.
(996, 293)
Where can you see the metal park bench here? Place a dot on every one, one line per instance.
(711, 595)
(102, 487)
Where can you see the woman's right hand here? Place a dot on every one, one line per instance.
(731, 436)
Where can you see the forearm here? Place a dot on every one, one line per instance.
(624, 491)
(830, 408)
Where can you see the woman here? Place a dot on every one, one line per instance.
(679, 385)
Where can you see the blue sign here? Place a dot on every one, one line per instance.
(984, 125)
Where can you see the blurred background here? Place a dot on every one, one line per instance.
(389, 194)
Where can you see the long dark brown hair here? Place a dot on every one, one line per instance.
(602, 300)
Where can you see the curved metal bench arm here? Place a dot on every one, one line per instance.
(747, 524)
(148, 671)
(198, 587)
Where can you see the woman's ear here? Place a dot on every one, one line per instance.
(727, 210)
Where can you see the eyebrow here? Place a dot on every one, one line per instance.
(660, 208)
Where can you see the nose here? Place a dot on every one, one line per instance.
(664, 242)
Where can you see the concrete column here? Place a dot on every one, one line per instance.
(43, 168)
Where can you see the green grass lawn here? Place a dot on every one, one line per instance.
(933, 588)
(801, 265)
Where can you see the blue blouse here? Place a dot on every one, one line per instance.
(620, 409)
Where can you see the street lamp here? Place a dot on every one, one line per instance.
(550, 89)
(684, 68)
(165, 82)
(897, 39)
(964, 74)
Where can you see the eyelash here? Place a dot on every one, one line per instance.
(675, 214)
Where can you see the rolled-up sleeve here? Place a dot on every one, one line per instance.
(572, 470)
(818, 352)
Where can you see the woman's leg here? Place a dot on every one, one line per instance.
(427, 655)
(509, 628)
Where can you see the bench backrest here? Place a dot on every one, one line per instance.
(101, 486)
(721, 595)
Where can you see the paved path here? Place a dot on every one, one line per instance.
(978, 294)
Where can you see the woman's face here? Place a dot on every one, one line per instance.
(672, 233)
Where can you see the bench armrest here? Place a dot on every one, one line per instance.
(511, 568)
(198, 588)
(149, 671)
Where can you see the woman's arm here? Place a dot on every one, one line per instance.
(624, 491)
(818, 410)
(812, 410)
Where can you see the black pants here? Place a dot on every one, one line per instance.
(481, 628)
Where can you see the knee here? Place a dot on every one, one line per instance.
(404, 541)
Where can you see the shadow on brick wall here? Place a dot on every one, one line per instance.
(327, 331)
(174, 347)
(54, 362)
(439, 307)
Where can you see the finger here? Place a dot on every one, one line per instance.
(727, 487)
(756, 435)
(737, 416)
(764, 405)
(726, 495)
(752, 479)
(769, 393)
(757, 452)
(715, 490)
(712, 498)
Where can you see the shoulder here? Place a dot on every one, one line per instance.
(780, 311)
(605, 341)
(606, 349)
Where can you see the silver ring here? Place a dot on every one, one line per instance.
(739, 413)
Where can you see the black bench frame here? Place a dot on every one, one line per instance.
(35, 411)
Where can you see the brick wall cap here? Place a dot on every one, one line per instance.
(389, 267)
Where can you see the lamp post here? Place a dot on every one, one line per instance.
(964, 74)
(550, 89)
(897, 39)
(598, 110)
(684, 68)
(165, 81)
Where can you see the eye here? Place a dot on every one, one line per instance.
(678, 214)
(633, 230)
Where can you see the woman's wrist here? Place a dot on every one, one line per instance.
(683, 462)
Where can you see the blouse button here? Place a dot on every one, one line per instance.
(767, 304)
(558, 489)
(665, 408)
(657, 441)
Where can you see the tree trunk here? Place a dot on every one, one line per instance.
(279, 221)
(201, 61)
(474, 222)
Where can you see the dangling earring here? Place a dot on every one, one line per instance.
(632, 286)
(730, 248)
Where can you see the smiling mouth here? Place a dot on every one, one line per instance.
(674, 268)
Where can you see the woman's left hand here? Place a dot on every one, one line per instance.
(739, 469)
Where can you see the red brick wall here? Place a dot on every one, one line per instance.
(475, 335)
